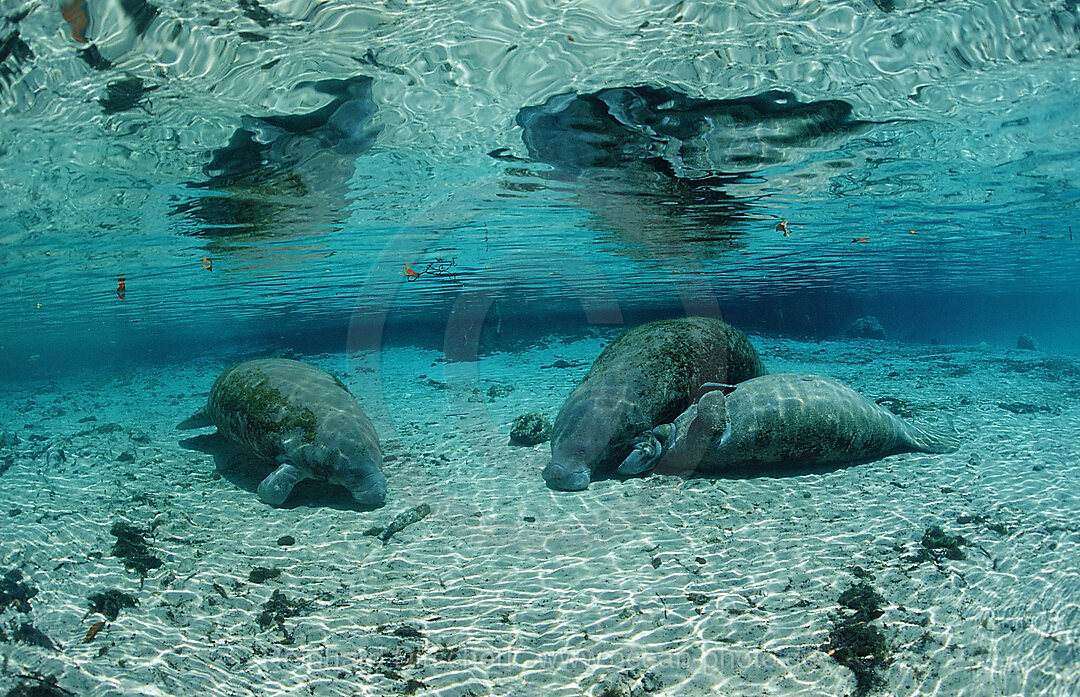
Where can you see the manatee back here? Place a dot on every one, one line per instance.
(805, 419)
(288, 410)
(656, 367)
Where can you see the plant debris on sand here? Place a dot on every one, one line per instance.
(131, 548)
(15, 592)
(936, 544)
(110, 602)
(854, 642)
(278, 607)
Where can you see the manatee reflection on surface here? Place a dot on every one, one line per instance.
(285, 176)
(654, 163)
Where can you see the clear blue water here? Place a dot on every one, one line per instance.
(393, 189)
(115, 162)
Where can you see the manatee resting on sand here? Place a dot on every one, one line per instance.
(646, 377)
(300, 418)
(788, 419)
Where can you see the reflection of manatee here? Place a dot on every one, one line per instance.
(670, 133)
(644, 378)
(788, 419)
(650, 160)
(301, 419)
(287, 176)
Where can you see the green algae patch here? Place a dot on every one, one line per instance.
(266, 409)
(530, 429)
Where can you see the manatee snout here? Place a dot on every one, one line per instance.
(566, 478)
(369, 489)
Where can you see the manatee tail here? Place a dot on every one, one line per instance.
(199, 419)
(932, 440)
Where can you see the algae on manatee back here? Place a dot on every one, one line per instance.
(268, 409)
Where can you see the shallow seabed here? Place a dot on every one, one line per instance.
(661, 585)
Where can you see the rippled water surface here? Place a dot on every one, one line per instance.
(546, 156)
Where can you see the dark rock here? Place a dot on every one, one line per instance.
(698, 598)
(865, 328)
(110, 602)
(126, 456)
(8, 439)
(261, 574)
(286, 540)
(530, 429)
(408, 632)
(1024, 342)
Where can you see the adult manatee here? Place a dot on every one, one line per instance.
(301, 419)
(646, 377)
(788, 419)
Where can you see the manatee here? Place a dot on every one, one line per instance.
(301, 419)
(785, 419)
(646, 377)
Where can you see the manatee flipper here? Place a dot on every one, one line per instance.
(279, 484)
(643, 455)
(209, 443)
(200, 419)
(647, 450)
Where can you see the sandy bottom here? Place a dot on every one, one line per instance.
(651, 586)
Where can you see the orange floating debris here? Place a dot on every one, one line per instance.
(207, 263)
(783, 227)
(121, 288)
(860, 239)
(410, 274)
(93, 631)
(74, 13)
(912, 232)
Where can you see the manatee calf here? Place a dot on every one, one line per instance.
(302, 419)
(645, 377)
(787, 419)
